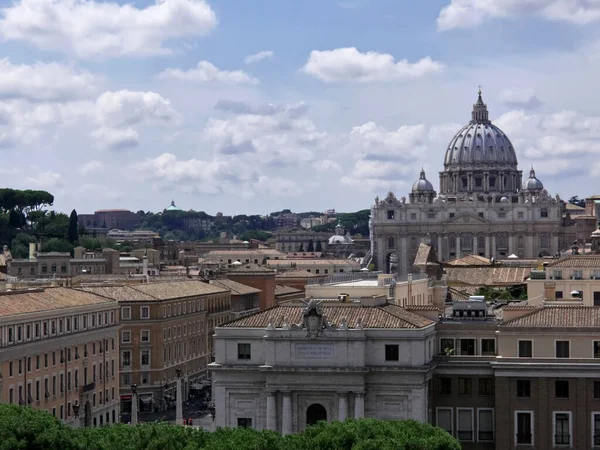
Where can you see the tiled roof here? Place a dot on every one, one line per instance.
(119, 293)
(423, 252)
(23, 302)
(235, 287)
(572, 207)
(156, 291)
(388, 316)
(470, 260)
(251, 268)
(286, 290)
(250, 251)
(316, 262)
(488, 275)
(521, 308)
(297, 273)
(421, 308)
(563, 316)
(579, 261)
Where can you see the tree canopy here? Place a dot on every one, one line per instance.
(24, 428)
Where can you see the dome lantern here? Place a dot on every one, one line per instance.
(480, 112)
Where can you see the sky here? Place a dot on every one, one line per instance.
(250, 107)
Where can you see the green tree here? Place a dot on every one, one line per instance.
(57, 245)
(311, 246)
(73, 231)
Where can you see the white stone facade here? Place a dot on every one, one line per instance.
(344, 370)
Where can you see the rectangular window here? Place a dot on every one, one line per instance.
(488, 347)
(244, 422)
(525, 349)
(562, 428)
(392, 352)
(145, 312)
(390, 214)
(524, 427)
(467, 347)
(561, 388)
(125, 337)
(446, 346)
(486, 386)
(519, 214)
(464, 429)
(465, 386)
(485, 424)
(558, 295)
(562, 349)
(523, 388)
(596, 389)
(596, 429)
(125, 313)
(244, 351)
(145, 357)
(126, 358)
(445, 385)
(596, 349)
(10, 369)
(444, 419)
(544, 212)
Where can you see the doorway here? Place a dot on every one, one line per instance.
(315, 413)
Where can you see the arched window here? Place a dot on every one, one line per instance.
(44, 268)
(391, 243)
(466, 242)
(53, 267)
(63, 268)
(544, 241)
(520, 242)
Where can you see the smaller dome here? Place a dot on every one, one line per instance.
(532, 183)
(422, 184)
(504, 200)
(173, 207)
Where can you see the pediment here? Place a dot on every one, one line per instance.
(466, 218)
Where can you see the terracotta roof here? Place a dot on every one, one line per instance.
(156, 291)
(24, 302)
(521, 308)
(388, 316)
(421, 308)
(578, 261)
(235, 287)
(251, 268)
(470, 260)
(573, 207)
(559, 316)
(322, 262)
(297, 273)
(423, 252)
(286, 290)
(487, 275)
(119, 293)
(250, 251)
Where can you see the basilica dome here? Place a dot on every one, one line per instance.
(422, 184)
(480, 142)
(532, 183)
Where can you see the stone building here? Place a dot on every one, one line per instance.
(59, 348)
(483, 206)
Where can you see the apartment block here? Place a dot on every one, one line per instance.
(59, 347)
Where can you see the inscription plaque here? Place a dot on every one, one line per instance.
(314, 351)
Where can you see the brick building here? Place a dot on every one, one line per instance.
(258, 277)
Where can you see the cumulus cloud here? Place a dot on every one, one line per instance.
(350, 65)
(45, 179)
(268, 109)
(91, 167)
(90, 29)
(375, 142)
(258, 57)
(44, 82)
(206, 72)
(471, 13)
(116, 138)
(326, 166)
(520, 99)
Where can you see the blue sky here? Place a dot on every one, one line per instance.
(254, 106)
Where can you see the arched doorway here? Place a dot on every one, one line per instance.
(315, 413)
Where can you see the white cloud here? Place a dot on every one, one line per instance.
(350, 65)
(260, 56)
(520, 98)
(45, 179)
(374, 141)
(125, 108)
(92, 166)
(116, 138)
(471, 13)
(442, 134)
(327, 166)
(90, 29)
(47, 82)
(206, 72)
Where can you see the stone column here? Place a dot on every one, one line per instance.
(487, 246)
(286, 414)
(493, 245)
(511, 244)
(475, 250)
(440, 254)
(342, 406)
(359, 405)
(458, 245)
(179, 403)
(272, 411)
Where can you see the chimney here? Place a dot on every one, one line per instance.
(32, 250)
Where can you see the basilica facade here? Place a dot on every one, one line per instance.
(483, 206)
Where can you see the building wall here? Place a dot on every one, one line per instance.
(540, 290)
(263, 281)
(90, 357)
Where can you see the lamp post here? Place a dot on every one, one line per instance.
(76, 413)
(165, 402)
(134, 405)
(179, 405)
